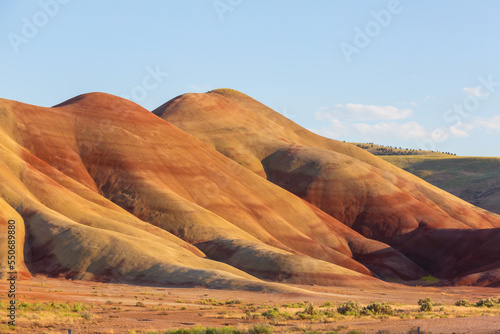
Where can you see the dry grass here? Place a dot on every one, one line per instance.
(171, 309)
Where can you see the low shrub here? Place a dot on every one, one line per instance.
(349, 308)
(77, 307)
(86, 315)
(294, 305)
(463, 302)
(377, 309)
(235, 301)
(203, 330)
(488, 302)
(429, 279)
(276, 314)
(260, 329)
(426, 304)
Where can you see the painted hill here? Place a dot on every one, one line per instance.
(367, 194)
(102, 189)
(231, 195)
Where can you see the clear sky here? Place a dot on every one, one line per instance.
(401, 73)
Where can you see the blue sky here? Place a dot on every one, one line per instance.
(402, 73)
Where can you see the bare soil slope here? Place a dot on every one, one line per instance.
(102, 189)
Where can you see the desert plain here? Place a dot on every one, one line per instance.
(125, 308)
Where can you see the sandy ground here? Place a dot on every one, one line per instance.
(120, 308)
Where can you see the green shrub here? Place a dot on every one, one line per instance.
(463, 302)
(225, 90)
(37, 306)
(236, 301)
(426, 307)
(429, 279)
(276, 314)
(260, 329)
(310, 309)
(426, 304)
(378, 309)
(60, 306)
(77, 307)
(271, 314)
(425, 300)
(312, 313)
(225, 330)
(349, 308)
(488, 302)
(86, 315)
(23, 304)
(294, 305)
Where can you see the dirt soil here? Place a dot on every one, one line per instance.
(121, 308)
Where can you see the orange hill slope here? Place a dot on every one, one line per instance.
(102, 189)
(373, 197)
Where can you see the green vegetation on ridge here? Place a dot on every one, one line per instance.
(473, 179)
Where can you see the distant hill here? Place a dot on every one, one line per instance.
(473, 179)
(389, 150)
